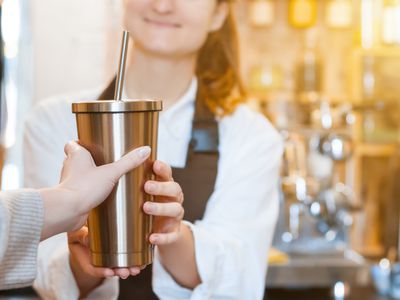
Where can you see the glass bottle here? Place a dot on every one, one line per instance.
(302, 13)
(309, 69)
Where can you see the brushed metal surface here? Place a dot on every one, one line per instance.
(118, 228)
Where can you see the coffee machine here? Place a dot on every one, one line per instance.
(317, 200)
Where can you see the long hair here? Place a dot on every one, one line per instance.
(218, 69)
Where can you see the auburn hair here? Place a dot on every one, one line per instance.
(218, 69)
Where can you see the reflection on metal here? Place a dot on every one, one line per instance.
(121, 68)
(118, 228)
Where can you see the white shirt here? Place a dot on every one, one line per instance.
(234, 236)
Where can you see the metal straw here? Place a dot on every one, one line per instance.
(121, 69)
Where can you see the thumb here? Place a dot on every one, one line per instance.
(129, 161)
(79, 237)
(72, 147)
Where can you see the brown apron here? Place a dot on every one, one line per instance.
(197, 180)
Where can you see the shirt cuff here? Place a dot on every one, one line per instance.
(109, 290)
(63, 285)
(20, 234)
(208, 253)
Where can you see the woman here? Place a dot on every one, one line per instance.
(224, 156)
(28, 216)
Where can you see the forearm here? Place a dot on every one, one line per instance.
(179, 259)
(59, 214)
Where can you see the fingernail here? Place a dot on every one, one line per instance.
(134, 270)
(149, 206)
(153, 239)
(151, 187)
(144, 151)
(109, 273)
(157, 167)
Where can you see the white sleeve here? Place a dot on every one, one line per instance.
(55, 279)
(47, 129)
(233, 239)
(44, 140)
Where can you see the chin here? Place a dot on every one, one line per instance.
(163, 49)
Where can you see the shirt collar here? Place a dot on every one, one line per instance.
(188, 97)
(177, 119)
(171, 119)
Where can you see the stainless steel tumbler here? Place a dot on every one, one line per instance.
(118, 228)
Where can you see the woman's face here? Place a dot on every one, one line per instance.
(172, 27)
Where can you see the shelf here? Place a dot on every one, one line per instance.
(375, 150)
(379, 51)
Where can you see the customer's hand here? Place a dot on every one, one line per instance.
(167, 208)
(83, 186)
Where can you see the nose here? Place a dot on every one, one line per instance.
(163, 6)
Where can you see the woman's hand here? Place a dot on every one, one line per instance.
(174, 239)
(167, 209)
(168, 212)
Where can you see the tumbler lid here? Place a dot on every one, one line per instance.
(113, 106)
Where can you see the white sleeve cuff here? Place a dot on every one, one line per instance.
(109, 290)
(59, 282)
(207, 263)
(62, 284)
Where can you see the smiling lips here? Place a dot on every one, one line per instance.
(162, 23)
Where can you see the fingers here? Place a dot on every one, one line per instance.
(164, 238)
(170, 209)
(162, 170)
(78, 243)
(135, 270)
(79, 248)
(167, 189)
(77, 158)
(129, 161)
(122, 272)
(81, 256)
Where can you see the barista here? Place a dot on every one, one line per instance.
(224, 156)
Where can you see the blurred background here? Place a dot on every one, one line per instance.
(325, 72)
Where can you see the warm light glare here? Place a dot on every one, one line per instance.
(339, 290)
(10, 27)
(10, 177)
(337, 147)
(11, 102)
(367, 23)
(391, 25)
